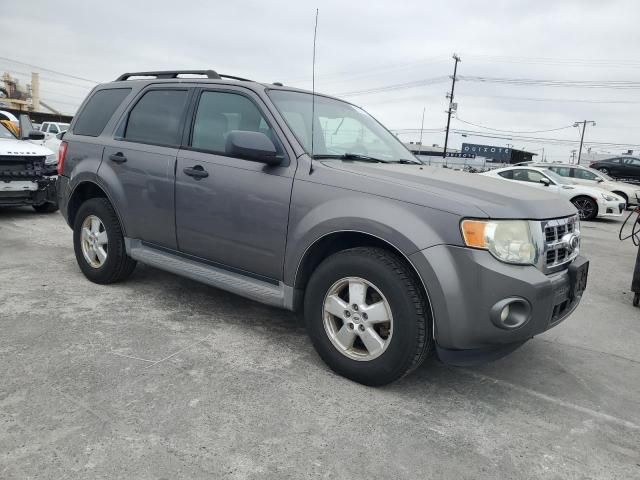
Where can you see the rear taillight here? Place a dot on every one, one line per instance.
(62, 152)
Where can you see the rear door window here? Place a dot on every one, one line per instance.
(157, 118)
(585, 174)
(53, 128)
(507, 174)
(562, 171)
(96, 113)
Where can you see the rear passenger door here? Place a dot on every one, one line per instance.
(236, 217)
(139, 164)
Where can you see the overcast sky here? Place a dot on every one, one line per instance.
(361, 46)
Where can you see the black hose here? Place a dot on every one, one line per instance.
(635, 229)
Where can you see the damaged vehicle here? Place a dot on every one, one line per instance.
(27, 171)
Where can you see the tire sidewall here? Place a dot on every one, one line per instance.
(404, 341)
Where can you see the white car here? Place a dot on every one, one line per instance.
(591, 202)
(27, 171)
(50, 129)
(594, 178)
(54, 142)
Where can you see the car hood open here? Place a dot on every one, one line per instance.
(466, 194)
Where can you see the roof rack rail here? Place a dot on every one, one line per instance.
(235, 78)
(170, 74)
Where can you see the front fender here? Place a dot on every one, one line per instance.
(318, 210)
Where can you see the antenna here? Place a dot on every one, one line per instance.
(313, 85)
(421, 130)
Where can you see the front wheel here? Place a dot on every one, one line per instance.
(587, 207)
(367, 316)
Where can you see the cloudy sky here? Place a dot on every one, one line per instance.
(391, 57)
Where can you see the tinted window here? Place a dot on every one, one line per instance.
(98, 110)
(528, 176)
(53, 129)
(585, 174)
(219, 113)
(44, 127)
(632, 161)
(562, 171)
(157, 117)
(506, 174)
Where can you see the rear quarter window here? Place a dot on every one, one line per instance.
(96, 113)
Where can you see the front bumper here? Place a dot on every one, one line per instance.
(465, 284)
(611, 208)
(32, 192)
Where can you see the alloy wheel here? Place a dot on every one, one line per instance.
(94, 241)
(585, 207)
(357, 319)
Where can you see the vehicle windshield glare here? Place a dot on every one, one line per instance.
(339, 128)
(557, 178)
(6, 133)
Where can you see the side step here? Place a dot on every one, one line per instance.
(279, 295)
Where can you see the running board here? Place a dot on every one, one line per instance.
(279, 295)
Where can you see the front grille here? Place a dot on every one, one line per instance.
(557, 250)
(16, 167)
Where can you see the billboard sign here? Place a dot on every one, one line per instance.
(495, 153)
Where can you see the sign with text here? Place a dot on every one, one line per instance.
(448, 155)
(499, 154)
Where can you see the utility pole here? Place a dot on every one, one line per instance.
(451, 105)
(584, 127)
(573, 156)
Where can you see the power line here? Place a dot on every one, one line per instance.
(555, 100)
(513, 131)
(393, 87)
(48, 70)
(556, 61)
(612, 84)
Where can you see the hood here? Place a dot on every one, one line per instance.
(462, 193)
(11, 147)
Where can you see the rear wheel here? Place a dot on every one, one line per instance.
(99, 243)
(587, 207)
(604, 170)
(46, 208)
(367, 316)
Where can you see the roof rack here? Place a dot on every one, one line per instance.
(170, 74)
(174, 74)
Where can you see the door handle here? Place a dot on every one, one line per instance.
(118, 157)
(196, 172)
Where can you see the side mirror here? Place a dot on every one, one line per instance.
(35, 135)
(545, 181)
(26, 128)
(253, 146)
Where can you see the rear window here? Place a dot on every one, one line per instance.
(157, 117)
(98, 110)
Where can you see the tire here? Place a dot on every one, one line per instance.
(46, 207)
(408, 336)
(604, 170)
(587, 207)
(116, 265)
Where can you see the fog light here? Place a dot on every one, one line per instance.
(510, 313)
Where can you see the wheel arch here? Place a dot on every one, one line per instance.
(339, 240)
(82, 192)
(621, 194)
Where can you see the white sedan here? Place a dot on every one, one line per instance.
(591, 202)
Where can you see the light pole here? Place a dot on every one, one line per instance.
(451, 104)
(584, 127)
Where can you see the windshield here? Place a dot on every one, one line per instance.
(557, 178)
(339, 128)
(5, 133)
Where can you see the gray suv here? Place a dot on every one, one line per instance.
(307, 203)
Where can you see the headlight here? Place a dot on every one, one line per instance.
(51, 159)
(509, 241)
(610, 198)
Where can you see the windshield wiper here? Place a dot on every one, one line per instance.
(352, 156)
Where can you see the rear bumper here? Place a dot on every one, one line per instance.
(464, 287)
(36, 192)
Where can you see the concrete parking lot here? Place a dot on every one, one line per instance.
(161, 378)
